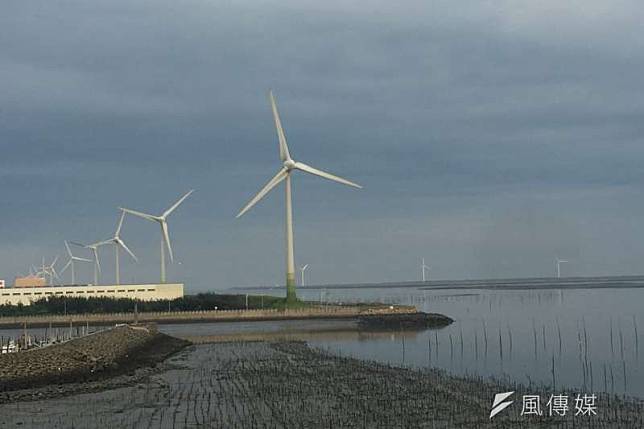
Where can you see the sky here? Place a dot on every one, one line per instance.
(490, 137)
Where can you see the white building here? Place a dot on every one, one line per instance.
(1, 284)
(144, 292)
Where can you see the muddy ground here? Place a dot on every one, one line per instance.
(289, 385)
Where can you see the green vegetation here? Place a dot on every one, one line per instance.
(202, 301)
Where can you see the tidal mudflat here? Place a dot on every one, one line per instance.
(289, 384)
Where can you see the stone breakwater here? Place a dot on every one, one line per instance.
(315, 312)
(92, 357)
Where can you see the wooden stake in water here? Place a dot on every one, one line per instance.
(534, 335)
(612, 347)
(500, 345)
(476, 345)
(485, 337)
(637, 342)
(605, 379)
(621, 341)
(559, 335)
(451, 348)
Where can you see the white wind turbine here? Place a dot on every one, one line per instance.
(424, 268)
(284, 174)
(71, 261)
(302, 269)
(94, 248)
(558, 262)
(118, 242)
(49, 270)
(165, 236)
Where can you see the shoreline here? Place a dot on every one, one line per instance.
(289, 384)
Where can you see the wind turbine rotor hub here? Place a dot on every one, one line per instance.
(289, 164)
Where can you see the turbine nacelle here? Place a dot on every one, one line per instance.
(289, 164)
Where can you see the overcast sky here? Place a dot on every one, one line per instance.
(490, 136)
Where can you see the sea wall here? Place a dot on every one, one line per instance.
(321, 312)
(93, 356)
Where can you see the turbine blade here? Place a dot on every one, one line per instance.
(175, 205)
(284, 153)
(127, 249)
(281, 175)
(69, 251)
(166, 239)
(76, 258)
(103, 243)
(66, 266)
(139, 214)
(76, 243)
(316, 172)
(118, 228)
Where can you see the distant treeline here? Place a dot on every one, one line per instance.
(95, 305)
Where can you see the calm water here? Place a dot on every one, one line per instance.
(530, 334)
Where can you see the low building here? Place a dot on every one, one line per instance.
(1, 284)
(143, 292)
(29, 281)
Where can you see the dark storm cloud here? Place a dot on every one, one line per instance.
(489, 136)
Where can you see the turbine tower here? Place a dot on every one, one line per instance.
(165, 236)
(118, 242)
(558, 262)
(284, 174)
(70, 263)
(302, 269)
(424, 268)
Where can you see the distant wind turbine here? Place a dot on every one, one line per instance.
(165, 236)
(97, 264)
(284, 174)
(558, 262)
(71, 261)
(118, 242)
(302, 269)
(424, 268)
(49, 270)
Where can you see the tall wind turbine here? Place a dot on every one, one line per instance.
(284, 174)
(558, 263)
(165, 236)
(302, 269)
(71, 261)
(424, 268)
(118, 242)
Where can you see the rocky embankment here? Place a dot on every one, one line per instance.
(399, 322)
(96, 356)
